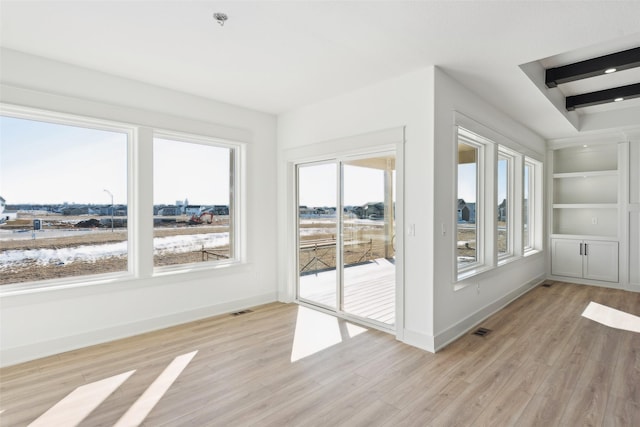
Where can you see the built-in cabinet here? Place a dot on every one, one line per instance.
(586, 259)
(585, 188)
(633, 211)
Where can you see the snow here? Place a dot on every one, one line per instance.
(93, 253)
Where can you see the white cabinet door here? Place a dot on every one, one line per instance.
(566, 259)
(634, 247)
(601, 261)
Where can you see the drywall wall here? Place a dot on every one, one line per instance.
(405, 101)
(40, 323)
(425, 103)
(457, 310)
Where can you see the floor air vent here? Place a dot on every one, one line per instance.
(238, 313)
(481, 332)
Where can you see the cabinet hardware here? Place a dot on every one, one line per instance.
(581, 248)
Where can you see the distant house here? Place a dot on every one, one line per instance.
(75, 210)
(3, 203)
(193, 209)
(220, 210)
(170, 211)
(120, 210)
(502, 210)
(373, 210)
(357, 211)
(325, 210)
(466, 211)
(304, 210)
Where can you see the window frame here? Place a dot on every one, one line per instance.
(139, 185)
(467, 137)
(511, 157)
(535, 208)
(494, 148)
(236, 218)
(74, 120)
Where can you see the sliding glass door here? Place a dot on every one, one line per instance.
(346, 237)
(318, 234)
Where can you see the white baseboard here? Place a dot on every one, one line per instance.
(15, 355)
(419, 340)
(454, 332)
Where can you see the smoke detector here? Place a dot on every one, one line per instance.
(220, 18)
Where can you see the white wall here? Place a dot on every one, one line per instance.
(425, 102)
(403, 101)
(632, 212)
(41, 323)
(458, 310)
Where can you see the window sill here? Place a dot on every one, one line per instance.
(507, 260)
(463, 277)
(531, 252)
(171, 270)
(470, 273)
(64, 283)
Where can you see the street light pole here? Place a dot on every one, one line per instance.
(111, 194)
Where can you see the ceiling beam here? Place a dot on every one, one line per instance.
(602, 96)
(592, 67)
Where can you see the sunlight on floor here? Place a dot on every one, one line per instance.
(316, 331)
(74, 408)
(78, 404)
(611, 317)
(152, 395)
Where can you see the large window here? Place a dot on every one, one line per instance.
(193, 207)
(64, 189)
(531, 205)
(468, 235)
(505, 208)
(526, 205)
(80, 199)
(498, 215)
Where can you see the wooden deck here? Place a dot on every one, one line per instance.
(369, 290)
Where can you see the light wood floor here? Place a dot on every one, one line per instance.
(542, 365)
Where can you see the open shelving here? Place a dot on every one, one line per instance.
(585, 191)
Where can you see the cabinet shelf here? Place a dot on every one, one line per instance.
(586, 174)
(584, 236)
(585, 206)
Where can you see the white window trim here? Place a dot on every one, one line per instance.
(481, 144)
(536, 206)
(486, 206)
(236, 202)
(46, 116)
(513, 223)
(139, 197)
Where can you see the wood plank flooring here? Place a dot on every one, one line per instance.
(542, 365)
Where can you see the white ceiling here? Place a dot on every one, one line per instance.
(274, 56)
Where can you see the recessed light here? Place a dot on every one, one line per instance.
(618, 99)
(610, 70)
(585, 146)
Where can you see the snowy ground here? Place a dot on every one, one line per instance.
(92, 253)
